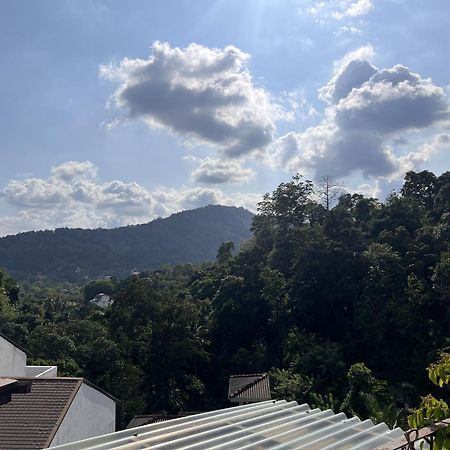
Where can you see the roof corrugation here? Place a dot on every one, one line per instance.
(249, 388)
(147, 419)
(264, 425)
(28, 420)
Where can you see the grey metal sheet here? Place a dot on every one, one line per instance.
(264, 425)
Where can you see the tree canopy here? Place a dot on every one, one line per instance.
(344, 307)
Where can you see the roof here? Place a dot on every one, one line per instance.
(9, 386)
(7, 383)
(249, 388)
(30, 421)
(146, 419)
(268, 425)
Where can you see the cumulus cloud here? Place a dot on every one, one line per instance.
(71, 170)
(172, 200)
(350, 72)
(367, 108)
(351, 76)
(72, 196)
(393, 100)
(216, 171)
(206, 95)
(416, 159)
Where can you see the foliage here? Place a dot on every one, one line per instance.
(77, 256)
(368, 397)
(288, 385)
(343, 306)
(431, 410)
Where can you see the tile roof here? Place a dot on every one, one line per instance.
(249, 388)
(264, 425)
(30, 421)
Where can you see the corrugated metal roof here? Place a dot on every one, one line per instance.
(138, 421)
(249, 388)
(264, 425)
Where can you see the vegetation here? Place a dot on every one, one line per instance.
(77, 256)
(344, 306)
(432, 411)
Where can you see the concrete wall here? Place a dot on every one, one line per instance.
(12, 360)
(90, 414)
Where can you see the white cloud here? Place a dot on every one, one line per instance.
(339, 9)
(348, 29)
(73, 197)
(392, 100)
(71, 170)
(203, 94)
(216, 171)
(355, 9)
(367, 109)
(173, 200)
(351, 72)
(416, 160)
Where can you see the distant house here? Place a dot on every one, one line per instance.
(249, 388)
(55, 411)
(40, 410)
(102, 300)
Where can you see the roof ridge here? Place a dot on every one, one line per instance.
(263, 374)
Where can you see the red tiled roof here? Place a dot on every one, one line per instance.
(30, 421)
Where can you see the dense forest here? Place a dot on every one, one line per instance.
(344, 303)
(77, 255)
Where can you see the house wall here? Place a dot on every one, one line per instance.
(41, 371)
(90, 414)
(12, 360)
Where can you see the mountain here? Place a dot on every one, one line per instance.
(76, 255)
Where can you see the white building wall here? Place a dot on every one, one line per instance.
(90, 414)
(41, 371)
(12, 360)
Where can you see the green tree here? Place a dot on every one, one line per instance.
(368, 397)
(225, 252)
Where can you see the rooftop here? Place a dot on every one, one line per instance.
(249, 388)
(265, 425)
(29, 421)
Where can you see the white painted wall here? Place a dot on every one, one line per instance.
(41, 371)
(90, 414)
(12, 360)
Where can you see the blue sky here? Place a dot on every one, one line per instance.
(117, 112)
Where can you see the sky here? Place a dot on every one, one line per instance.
(118, 112)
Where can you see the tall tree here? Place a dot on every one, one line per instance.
(328, 190)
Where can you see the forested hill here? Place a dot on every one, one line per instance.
(75, 254)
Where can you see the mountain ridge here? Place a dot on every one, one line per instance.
(75, 254)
